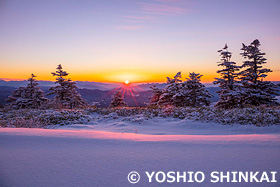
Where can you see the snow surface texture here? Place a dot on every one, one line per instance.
(86, 157)
(138, 124)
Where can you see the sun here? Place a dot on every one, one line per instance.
(126, 82)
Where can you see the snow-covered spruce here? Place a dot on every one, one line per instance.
(177, 78)
(173, 87)
(194, 92)
(156, 95)
(30, 96)
(181, 94)
(256, 91)
(117, 100)
(229, 94)
(66, 95)
(170, 94)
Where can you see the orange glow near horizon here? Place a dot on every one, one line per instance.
(119, 78)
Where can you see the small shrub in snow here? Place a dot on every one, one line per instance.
(117, 100)
(42, 118)
(259, 116)
(64, 117)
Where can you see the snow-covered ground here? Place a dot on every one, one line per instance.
(166, 126)
(105, 151)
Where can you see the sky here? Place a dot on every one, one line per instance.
(135, 40)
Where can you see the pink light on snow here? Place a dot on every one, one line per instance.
(200, 139)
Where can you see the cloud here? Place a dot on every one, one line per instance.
(149, 12)
(162, 8)
(129, 27)
(172, 1)
(139, 17)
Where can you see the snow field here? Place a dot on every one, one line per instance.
(54, 157)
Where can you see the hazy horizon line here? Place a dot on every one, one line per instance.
(109, 82)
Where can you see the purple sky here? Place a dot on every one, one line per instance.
(139, 40)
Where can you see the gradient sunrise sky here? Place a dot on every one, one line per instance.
(135, 40)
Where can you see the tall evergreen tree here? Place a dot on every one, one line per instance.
(194, 91)
(229, 94)
(117, 100)
(66, 95)
(30, 96)
(256, 91)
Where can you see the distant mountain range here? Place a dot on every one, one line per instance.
(91, 85)
(80, 84)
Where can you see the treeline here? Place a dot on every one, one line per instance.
(31, 96)
(241, 86)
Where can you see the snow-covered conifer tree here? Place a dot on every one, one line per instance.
(66, 95)
(16, 99)
(177, 78)
(256, 91)
(194, 91)
(30, 96)
(229, 94)
(173, 87)
(117, 100)
(156, 95)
